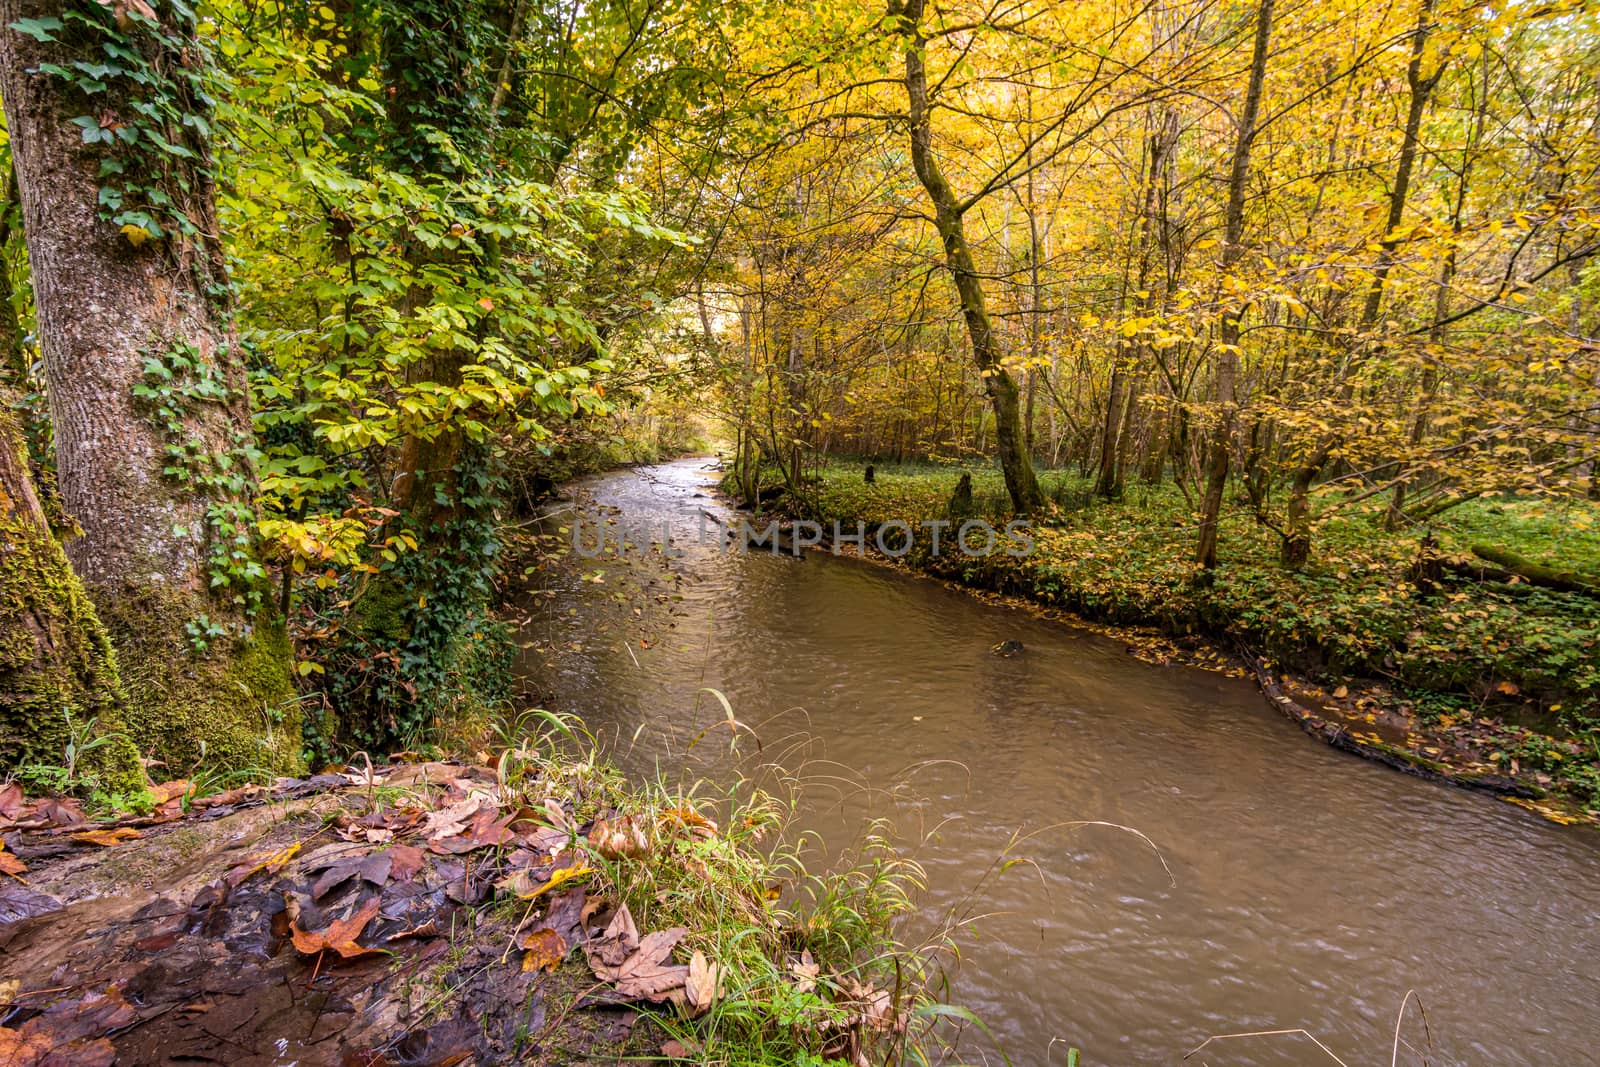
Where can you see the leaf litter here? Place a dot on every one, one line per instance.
(316, 915)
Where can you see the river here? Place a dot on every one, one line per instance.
(1284, 885)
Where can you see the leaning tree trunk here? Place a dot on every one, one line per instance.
(57, 673)
(1004, 394)
(145, 379)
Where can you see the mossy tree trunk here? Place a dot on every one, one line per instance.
(57, 671)
(146, 385)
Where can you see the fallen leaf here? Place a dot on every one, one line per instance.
(545, 949)
(108, 838)
(69, 1033)
(805, 972)
(617, 942)
(170, 790)
(1341, 692)
(407, 862)
(701, 984)
(449, 821)
(679, 1050)
(647, 973)
(271, 863)
(341, 934)
(9, 864)
(565, 914)
(637, 967)
(618, 840)
(374, 869)
(11, 803)
(59, 811)
(559, 877)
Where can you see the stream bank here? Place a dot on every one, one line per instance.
(525, 908)
(1356, 654)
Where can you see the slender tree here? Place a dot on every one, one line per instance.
(987, 352)
(1221, 445)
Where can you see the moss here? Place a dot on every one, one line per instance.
(232, 705)
(56, 664)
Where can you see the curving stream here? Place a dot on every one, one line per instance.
(1307, 888)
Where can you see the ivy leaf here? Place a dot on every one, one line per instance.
(39, 29)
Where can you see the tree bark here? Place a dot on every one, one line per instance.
(1228, 336)
(157, 494)
(1004, 395)
(57, 671)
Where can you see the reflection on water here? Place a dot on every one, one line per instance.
(1307, 888)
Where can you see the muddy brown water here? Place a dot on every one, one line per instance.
(1307, 888)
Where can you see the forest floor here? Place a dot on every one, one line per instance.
(1487, 684)
(418, 914)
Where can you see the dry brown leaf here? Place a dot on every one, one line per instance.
(58, 811)
(341, 934)
(170, 790)
(697, 825)
(618, 840)
(449, 821)
(545, 949)
(647, 973)
(271, 863)
(805, 972)
(617, 942)
(407, 862)
(679, 1050)
(701, 985)
(11, 803)
(108, 838)
(639, 967)
(559, 817)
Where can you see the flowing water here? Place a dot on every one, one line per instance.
(1290, 886)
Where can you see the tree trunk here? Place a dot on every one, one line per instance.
(1297, 547)
(1004, 395)
(1228, 340)
(57, 671)
(150, 413)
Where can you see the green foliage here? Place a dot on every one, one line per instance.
(176, 383)
(156, 154)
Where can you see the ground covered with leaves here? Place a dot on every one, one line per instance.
(522, 908)
(1491, 682)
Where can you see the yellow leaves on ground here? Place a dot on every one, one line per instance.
(544, 949)
(557, 879)
(108, 838)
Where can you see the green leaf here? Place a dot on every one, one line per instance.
(39, 29)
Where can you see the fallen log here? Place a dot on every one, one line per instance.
(1535, 573)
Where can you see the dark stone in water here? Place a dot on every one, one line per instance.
(1007, 648)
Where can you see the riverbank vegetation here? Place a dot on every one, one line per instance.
(1498, 669)
(526, 908)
